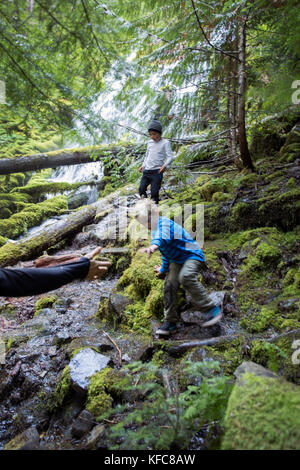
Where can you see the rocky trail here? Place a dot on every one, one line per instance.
(42, 345)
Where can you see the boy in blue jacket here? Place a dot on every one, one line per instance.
(182, 260)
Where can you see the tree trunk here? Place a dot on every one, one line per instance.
(11, 253)
(53, 159)
(243, 144)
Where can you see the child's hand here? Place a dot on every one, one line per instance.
(157, 269)
(141, 169)
(162, 168)
(158, 272)
(148, 250)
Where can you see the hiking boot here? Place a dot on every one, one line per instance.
(213, 316)
(166, 329)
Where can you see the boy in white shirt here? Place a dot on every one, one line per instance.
(158, 157)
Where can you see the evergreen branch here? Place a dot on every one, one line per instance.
(72, 33)
(92, 30)
(206, 38)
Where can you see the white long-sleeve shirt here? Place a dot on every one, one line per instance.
(158, 154)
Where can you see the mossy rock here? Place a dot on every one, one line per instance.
(62, 390)
(263, 413)
(291, 149)
(32, 215)
(104, 387)
(44, 302)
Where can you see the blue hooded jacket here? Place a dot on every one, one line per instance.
(175, 244)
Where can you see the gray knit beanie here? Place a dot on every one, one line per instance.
(155, 125)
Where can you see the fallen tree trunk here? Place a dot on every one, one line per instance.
(179, 348)
(11, 252)
(54, 159)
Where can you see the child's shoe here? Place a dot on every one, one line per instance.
(166, 329)
(213, 316)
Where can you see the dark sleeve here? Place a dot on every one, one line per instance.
(34, 281)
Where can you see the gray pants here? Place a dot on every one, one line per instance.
(187, 275)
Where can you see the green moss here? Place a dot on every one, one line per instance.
(267, 354)
(229, 354)
(216, 185)
(103, 386)
(291, 183)
(37, 190)
(62, 389)
(262, 414)
(44, 302)
(291, 282)
(219, 197)
(141, 284)
(140, 276)
(32, 215)
(3, 240)
(280, 210)
(259, 321)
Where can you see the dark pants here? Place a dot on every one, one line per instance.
(154, 178)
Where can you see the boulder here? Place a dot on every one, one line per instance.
(85, 364)
(83, 424)
(263, 412)
(28, 439)
(95, 437)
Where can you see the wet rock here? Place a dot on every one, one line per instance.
(83, 424)
(85, 364)
(253, 368)
(95, 437)
(99, 342)
(29, 438)
(126, 358)
(288, 304)
(145, 354)
(62, 337)
(118, 304)
(77, 200)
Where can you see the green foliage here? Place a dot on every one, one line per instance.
(164, 421)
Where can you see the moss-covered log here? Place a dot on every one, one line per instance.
(55, 159)
(11, 253)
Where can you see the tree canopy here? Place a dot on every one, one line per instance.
(179, 60)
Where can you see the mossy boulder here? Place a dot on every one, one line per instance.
(32, 215)
(140, 283)
(104, 387)
(263, 413)
(280, 355)
(291, 149)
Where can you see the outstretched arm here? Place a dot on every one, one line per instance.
(33, 281)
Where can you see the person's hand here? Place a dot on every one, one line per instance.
(148, 250)
(162, 168)
(157, 269)
(141, 169)
(97, 269)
